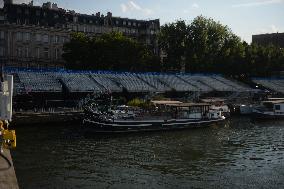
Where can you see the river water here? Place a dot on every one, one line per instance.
(235, 154)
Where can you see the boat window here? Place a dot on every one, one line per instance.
(277, 107)
(268, 105)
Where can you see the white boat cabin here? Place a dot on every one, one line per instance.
(195, 111)
(276, 106)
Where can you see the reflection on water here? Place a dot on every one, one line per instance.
(236, 154)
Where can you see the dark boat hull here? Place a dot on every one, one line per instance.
(146, 126)
(262, 116)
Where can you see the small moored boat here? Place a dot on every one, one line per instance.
(272, 109)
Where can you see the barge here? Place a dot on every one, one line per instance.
(164, 117)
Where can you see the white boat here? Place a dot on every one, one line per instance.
(218, 104)
(272, 109)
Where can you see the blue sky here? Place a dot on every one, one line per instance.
(244, 17)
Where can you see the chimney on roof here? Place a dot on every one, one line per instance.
(109, 14)
(54, 6)
(46, 5)
(98, 14)
(31, 3)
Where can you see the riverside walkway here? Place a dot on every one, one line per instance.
(8, 179)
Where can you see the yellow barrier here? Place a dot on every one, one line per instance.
(8, 136)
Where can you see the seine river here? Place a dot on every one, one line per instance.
(236, 154)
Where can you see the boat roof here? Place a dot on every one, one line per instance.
(165, 102)
(213, 100)
(274, 101)
(189, 104)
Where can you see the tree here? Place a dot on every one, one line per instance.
(111, 51)
(172, 41)
(202, 45)
(211, 47)
(76, 52)
(205, 45)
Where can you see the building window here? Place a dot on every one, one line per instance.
(117, 22)
(46, 53)
(56, 53)
(98, 29)
(37, 52)
(56, 39)
(19, 11)
(124, 23)
(1, 51)
(134, 23)
(74, 28)
(27, 54)
(27, 11)
(37, 13)
(27, 36)
(64, 39)
(45, 38)
(19, 52)
(26, 21)
(2, 34)
(38, 37)
(129, 23)
(89, 28)
(19, 36)
(75, 19)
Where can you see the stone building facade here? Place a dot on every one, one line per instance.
(276, 39)
(33, 36)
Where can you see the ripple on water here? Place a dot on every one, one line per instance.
(237, 154)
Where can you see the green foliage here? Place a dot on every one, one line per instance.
(136, 102)
(111, 51)
(158, 97)
(172, 41)
(205, 45)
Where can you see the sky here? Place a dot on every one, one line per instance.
(244, 17)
